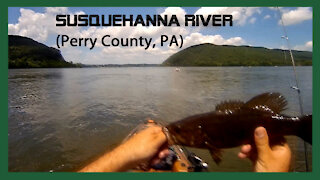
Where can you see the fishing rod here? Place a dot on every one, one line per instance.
(296, 87)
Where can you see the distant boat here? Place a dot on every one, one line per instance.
(178, 69)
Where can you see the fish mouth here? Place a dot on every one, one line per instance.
(173, 135)
(169, 136)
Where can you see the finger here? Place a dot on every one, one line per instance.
(242, 155)
(261, 141)
(246, 149)
(164, 153)
(155, 161)
(161, 155)
(157, 136)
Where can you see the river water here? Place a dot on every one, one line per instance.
(59, 119)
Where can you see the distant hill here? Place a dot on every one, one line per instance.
(225, 55)
(28, 53)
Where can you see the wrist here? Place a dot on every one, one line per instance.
(121, 158)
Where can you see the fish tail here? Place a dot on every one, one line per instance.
(305, 128)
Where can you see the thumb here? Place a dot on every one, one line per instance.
(262, 141)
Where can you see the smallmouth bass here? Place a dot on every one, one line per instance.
(233, 123)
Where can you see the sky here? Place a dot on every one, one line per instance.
(253, 26)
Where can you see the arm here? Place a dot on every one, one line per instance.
(268, 159)
(140, 148)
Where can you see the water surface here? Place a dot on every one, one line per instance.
(61, 118)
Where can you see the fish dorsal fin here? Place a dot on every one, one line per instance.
(229, 106)
(270, 102)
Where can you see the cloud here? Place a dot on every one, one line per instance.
(252, 20)
(29, 25)
(267, 16)
(305, 47)
(240, 14)
(178, 11)
(56, 10)
(296, 16)
(41, 27)
(198, 38)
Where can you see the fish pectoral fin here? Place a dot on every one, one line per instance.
(215, 152)
(216, 155)
(229, 106)
(268, 101)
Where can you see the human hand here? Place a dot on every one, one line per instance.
(266, 159)
(140, 148)
(147, 146)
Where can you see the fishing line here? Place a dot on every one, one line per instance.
(289, 84)
(285, 58)
(296, 87)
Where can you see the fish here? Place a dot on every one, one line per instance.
(232, 124)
